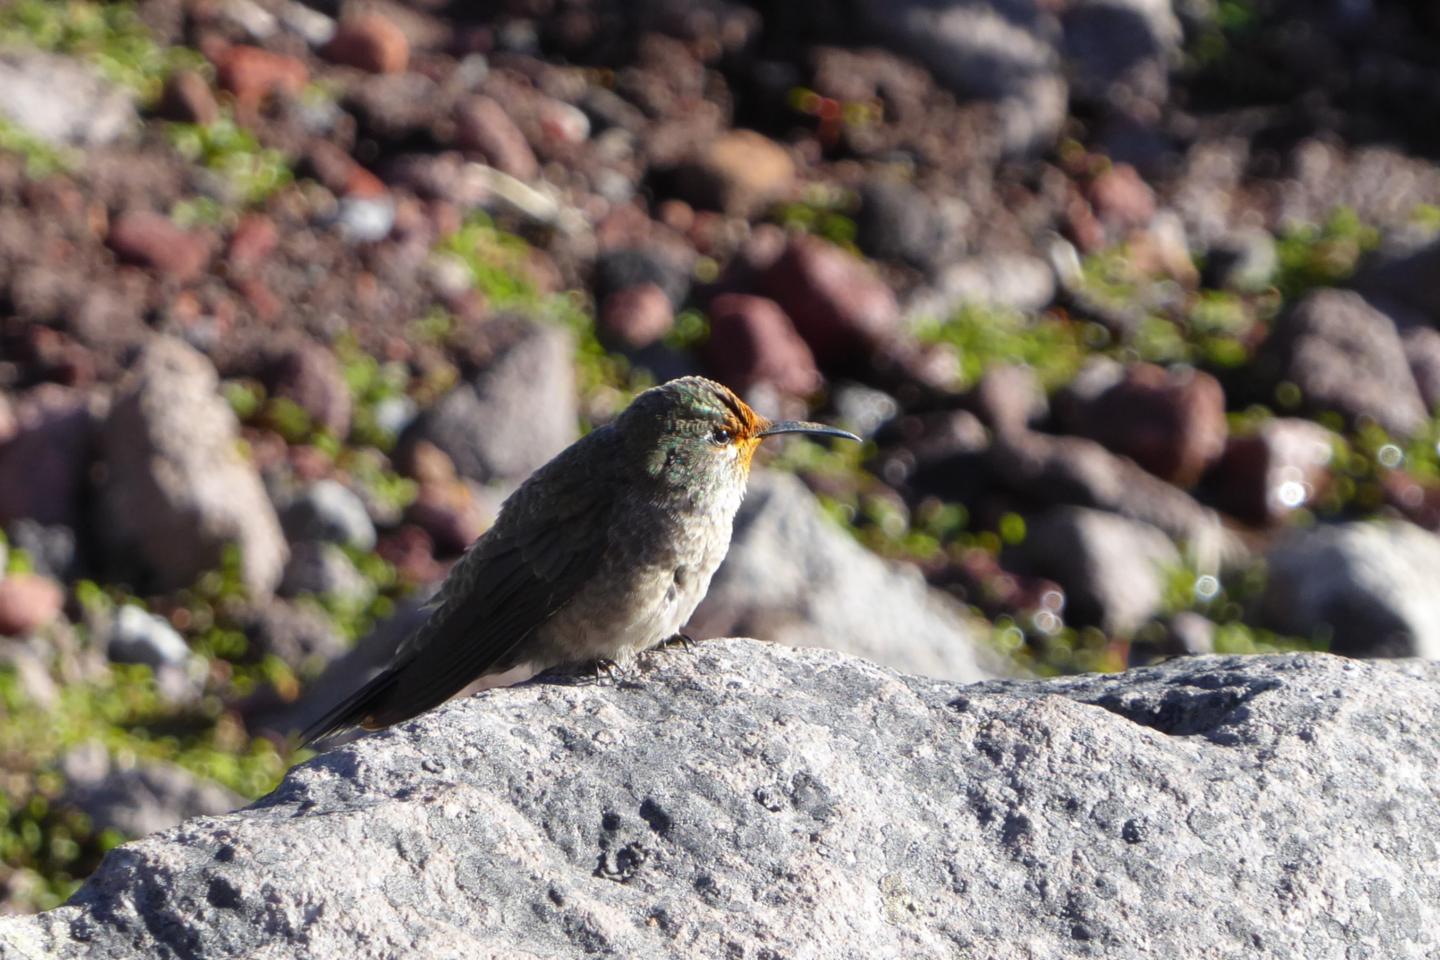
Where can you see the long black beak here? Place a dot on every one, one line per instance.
(800, 426)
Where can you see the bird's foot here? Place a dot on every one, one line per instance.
(681, 641)
(605, 667)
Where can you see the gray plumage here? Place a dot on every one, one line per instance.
(603, 552)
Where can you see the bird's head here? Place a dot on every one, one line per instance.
(694, 428)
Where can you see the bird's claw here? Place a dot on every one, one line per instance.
(682, 641)
(605, 667)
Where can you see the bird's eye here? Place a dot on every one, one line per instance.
(721, 436)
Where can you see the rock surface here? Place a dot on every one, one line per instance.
(138, 799)
(175, 488)
(62, 100)
(794, 576)
(1369, 588)
(1112, 568)
(749, 800)
(514, 416)
(1346, 356)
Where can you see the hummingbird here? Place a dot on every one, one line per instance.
(603, 552)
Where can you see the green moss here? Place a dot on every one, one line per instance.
(691, 330)
(1322, 255)
(252, 172)
(371, 384)
(825, 215)
(983, 337)
(41, 158)
(498, 263)
(54, 845)
(370, 471)
(108, 35)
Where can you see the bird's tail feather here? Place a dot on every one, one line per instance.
(351, 712)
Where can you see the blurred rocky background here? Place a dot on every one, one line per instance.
(1135, 301)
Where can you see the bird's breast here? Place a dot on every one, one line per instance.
(659, 560)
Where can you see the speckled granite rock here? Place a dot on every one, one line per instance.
(755, 801)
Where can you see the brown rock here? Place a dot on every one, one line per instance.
(187, 99)
(838, 304)
(153, 241)
(253, 75)
(1171, 422)
(739, 173)
(752, 341)
(369, 42)
(483, 128)
(27, 603)
(637, 316)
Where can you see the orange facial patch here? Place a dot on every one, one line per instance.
(746, 451)
(744, 424)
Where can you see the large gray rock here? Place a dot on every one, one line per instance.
(1121, 50)
(1001, 50)
(138, 798)
(794, 576)
(1112, 568)
(755, 801)
(1080, 472)
(1369, 588)
(175, 489)
(62, 100)
(514, 416)
(1346, 356)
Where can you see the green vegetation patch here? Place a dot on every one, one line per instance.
(250, 172)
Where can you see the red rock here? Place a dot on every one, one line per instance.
(187, 99)
(369, 42)
(1121, 198)
(1171, 422)
(839, 306)
(637, 316)
(152, 240)
(1278, 469)
(252, 75)
(27, 603)
(339, 172)
(1418, 502)
(261, 298)
(482, 127)
(254, 239)
(752, 341)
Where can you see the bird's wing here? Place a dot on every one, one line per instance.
(546, 544)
